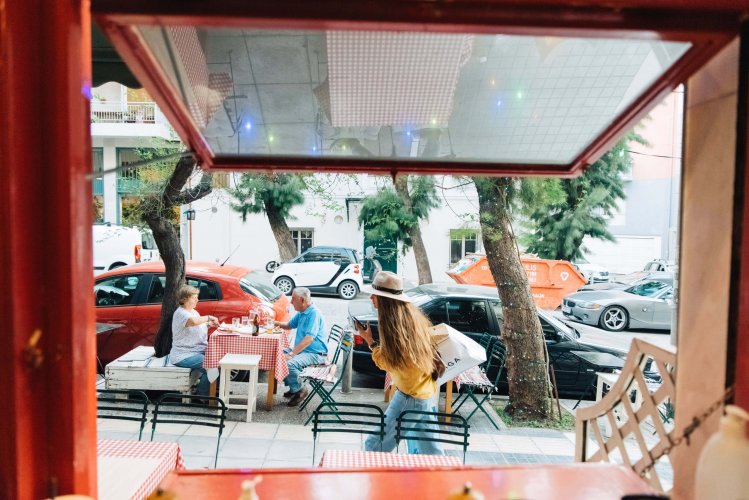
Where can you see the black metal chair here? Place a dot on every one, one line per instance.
(357, 419)
(114, 404)
(319, 375)
(416, 425)
(174, 408)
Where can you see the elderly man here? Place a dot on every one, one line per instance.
(310, 347)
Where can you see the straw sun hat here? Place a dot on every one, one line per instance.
(387, 284)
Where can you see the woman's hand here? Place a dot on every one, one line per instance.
(212, 321)
(366, 333)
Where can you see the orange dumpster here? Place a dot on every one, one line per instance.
(550, 280)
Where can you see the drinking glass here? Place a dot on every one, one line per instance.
(235, 322)
(245, 321)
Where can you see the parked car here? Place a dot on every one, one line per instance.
(326, 270)
(475, 310)
(629, 280)
(116, 246)
(648, 304)
(131, 296)
(592, 272)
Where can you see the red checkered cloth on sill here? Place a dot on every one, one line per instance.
(394, 78)
(269, 347)
(324, 373)
(168, 453)
(350, 459)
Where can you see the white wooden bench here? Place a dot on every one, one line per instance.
(139, 369)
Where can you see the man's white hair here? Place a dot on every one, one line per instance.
(304, 293)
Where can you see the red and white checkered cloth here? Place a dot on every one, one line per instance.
(325, 373)
(474, 376)
(350, 459)
(269, 347)
(394, 78)
(168, 453)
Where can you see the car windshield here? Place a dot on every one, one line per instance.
(558, 324)
(418, 296)
(258, 285)
(647, 289)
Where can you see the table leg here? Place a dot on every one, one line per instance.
(271, 387)
(449, 399)
(212, 392)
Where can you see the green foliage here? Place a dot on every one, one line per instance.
(255, 192)
(384, 215)
(561, 212)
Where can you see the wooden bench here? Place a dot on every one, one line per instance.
(139, 369)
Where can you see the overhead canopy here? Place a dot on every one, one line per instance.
(107, 65)
(482, 96)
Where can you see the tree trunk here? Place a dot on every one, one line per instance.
(174, 268)
(286, 245)
(527, 372)
(420, 251)
(156, 211)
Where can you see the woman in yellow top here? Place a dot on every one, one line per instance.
(405, 351)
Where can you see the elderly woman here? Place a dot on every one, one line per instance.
(190, 336)
(404, 350)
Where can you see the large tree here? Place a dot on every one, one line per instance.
(275, 195)
(157, 209)
(395, 214)
(561, 212)
(526, 363)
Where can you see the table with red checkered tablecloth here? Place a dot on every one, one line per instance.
(268, 346)
(351, 459)
(133, 469)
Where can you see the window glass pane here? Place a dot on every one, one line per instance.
(118, 291)
(550, 333)
(468, 315)
(470, 245)
(156, 293)
(207, 290)
(257, 284)
(456, 251)
(648, 289)
(438, 314)
(496, 98)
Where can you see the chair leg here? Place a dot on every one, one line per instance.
(218, 443)
(480, 406)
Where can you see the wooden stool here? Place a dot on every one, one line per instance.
(247, 362)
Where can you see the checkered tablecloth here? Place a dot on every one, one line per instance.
(160, 458)
(269, 347)
(350, 459)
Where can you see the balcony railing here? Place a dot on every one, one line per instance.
(123, 112)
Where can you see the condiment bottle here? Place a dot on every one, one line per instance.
(248, 489)
(723, 467)
(466, 492)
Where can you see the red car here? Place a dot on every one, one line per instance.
(131, 296)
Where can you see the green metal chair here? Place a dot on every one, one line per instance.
(358, 419)
(319, 375)
(476, 379)
(115, 404)
(174, 408)
(416, 425)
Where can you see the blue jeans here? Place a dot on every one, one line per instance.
(196, 363)
(297, 365)
(398, 404)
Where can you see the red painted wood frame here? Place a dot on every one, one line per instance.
(48, 365)
(708, 29)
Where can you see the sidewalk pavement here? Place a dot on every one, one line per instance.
(278, 438)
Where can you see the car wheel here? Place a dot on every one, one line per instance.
(285, 284)
(614, 319)
(116, 265)
(348, 290)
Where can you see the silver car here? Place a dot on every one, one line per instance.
(648, 304)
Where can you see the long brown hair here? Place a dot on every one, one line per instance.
(405, 341)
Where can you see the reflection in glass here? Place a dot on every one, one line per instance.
(461, 97)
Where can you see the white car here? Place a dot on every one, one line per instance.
(117, 246)
(592, 272)
(327, 270)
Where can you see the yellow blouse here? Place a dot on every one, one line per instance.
(412, 381)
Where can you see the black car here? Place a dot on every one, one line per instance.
(475, 310)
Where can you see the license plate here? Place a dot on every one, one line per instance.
(566, 309)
